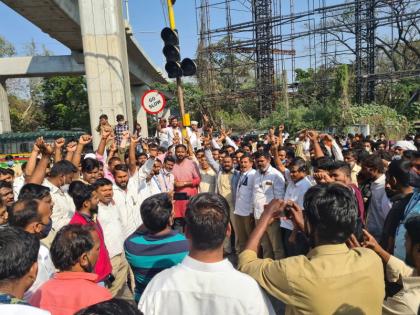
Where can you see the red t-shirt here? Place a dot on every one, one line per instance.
(68, 292)
(359, 198)
(103, 266)
(185, 171)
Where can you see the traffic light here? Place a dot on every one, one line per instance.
(174, 67)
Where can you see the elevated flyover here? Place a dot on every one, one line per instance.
(101, 44)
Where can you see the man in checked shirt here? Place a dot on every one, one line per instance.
(120, 128)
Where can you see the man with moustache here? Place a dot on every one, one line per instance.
(32, 213)
(269, 184)
(152, 185)
(243, 202)
(126, 192)
(399, 192)
(86, 201)
(187, 180)
(110, 219)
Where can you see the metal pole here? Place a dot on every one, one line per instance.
(180, 90)
(171, 15)
(180, 97)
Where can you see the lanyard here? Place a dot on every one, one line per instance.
(242, 180)
(164, 175)
(157, 183)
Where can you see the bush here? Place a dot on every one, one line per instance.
(381, 118)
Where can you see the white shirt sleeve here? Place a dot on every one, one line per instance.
(215, 144)
(145, 170)
(229, 141)
(337, 152)
(279, 187)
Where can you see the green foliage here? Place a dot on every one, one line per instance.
(193, 98)
(6, 48)
(381, 118)
(236, 121)
(317, 116)
(25, 115)
(397, 94)
(65, 102)
(412, 111)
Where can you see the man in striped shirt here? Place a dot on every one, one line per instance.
(154, 246)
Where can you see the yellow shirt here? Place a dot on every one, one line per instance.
(331, 279)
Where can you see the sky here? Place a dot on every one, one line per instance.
(148, 17)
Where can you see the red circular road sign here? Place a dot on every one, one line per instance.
(153, 102)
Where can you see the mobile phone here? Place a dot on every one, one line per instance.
(181, 196)
(288, 212)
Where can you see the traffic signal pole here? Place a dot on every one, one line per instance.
(180, 90)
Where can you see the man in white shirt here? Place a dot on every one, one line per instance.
(126, 187)
(171, 131)
(166, 178)
(379, 204)
(194, 134)
(297, 185)
(17, 275)
(269, 184)
(58, 181)
(205, 283)
(161, 133)
(208, 176)
(333, 150)
(151, 185)
(32, 213)
(244, 202)
(127, 197)
(111, 223)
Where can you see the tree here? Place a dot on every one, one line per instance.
(65, 102)
(25, 115)
(193, 98)
(6, 48)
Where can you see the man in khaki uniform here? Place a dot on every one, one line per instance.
(331, 278)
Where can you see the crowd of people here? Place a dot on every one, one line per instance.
(199, 221)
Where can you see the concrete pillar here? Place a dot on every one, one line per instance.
(137, 93)
(106, 61)
(5, 125)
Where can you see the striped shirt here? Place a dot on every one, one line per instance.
(149, 254)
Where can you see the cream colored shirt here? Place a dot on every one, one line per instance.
(331, 279)
(354, 172)
(224, 185)
(208, 180)
(406, 301)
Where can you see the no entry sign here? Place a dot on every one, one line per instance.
(153, 102)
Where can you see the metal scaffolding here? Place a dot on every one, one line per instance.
(275, 37)
(263, 32)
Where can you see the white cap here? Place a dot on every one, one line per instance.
(194, 122)
(405, 145)
(90, 156)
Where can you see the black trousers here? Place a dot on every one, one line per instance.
(179, 225)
